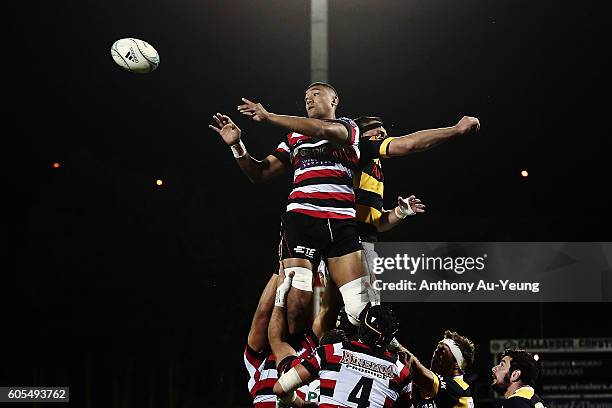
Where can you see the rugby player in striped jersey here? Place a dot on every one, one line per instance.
(359, 373)
(322, 152)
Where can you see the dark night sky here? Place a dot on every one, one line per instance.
(106, 268)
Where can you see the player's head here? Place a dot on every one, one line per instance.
(453, 355)
(371, 127)
(516, 367)
(321, 100)
(378, 326)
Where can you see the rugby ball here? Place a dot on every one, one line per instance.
(135, 55)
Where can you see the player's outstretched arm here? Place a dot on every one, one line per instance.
(257, 171)
(320, 129)
(421, 375)
(405, 207)
(425, 139)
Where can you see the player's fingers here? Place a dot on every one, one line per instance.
(218, 120)
(419, 205)
(412, 197)
(215, 128)
(245, 100)
(420, 210)
(221, 118)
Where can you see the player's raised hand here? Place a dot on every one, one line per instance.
(283, 290)
(410, 205)
(256, 111)
(468, 124)
(226, 128)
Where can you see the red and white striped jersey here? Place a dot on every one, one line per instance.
(355, 375)
(322, 173)
(263, 374)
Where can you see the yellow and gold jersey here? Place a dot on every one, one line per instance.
(448, 392)
(524, 397)
(369, 186)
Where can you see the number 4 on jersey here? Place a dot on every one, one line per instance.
(363, 388)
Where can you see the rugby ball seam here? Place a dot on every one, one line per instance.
(153, 63)
(127, 66)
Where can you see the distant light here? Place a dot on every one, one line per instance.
(159, 182)
(536, 357)
(524, 173)
(55, 165)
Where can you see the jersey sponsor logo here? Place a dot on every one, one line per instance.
(309, 252)
(379, 370)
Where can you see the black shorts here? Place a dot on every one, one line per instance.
(311, 238)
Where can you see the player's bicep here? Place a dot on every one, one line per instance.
(428, 382)
(396, 147)
(271, 167)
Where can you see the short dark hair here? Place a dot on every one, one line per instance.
(523, 361)
(324, 84)
(465, 345)
(366, 123)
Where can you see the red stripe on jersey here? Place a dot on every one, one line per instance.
(404, 374)
(324, 196)
(330, 357)
(353, 134)
(323, 214)
(300, 394)
(388, 403)
(265, 405)
(254, 361)
(268, 382)
(292, 140)
(319, 173)
(326, 383)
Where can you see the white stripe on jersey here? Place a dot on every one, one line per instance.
(336, 166)
(307, 206)
(324, 188)
(316, 144)
(283, 146)
(264, 398)
(250, 368)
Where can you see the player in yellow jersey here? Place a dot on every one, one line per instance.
(515, 377)
(375, 145)
(443, 386)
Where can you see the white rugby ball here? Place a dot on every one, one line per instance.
(135, 55)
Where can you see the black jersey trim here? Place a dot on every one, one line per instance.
(369, 199)
(283, 157)
(311, 368)
(322, 202)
